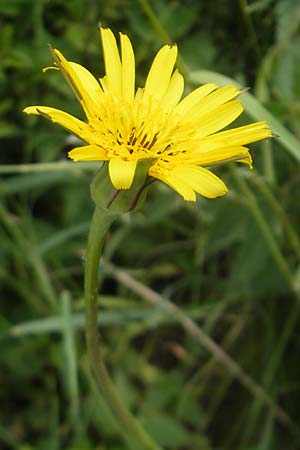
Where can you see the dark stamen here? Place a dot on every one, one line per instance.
(153, 141)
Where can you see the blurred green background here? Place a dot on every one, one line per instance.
(231, 265)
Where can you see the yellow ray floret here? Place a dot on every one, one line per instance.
(188, 179)
(179, 137)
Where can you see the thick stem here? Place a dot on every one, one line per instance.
(101, 222)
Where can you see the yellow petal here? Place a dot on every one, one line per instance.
(83, 83)
(88, 83)
(71, 123)
(104, 84)
(220, 155)
(201, 180)
(88, 153)
(121, 172)
(175, 183)
(194, 97)
(112, 62)
(246, 160)
(242, 135)
(218, 119)
(160, 72)
(188, 179)
(174, 91)
(128, 69)
(211, 102)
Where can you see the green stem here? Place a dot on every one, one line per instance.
(128, 424)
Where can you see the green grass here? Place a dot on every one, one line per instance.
(199, 303)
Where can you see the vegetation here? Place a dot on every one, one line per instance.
(200, 303)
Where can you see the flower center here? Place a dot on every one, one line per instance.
(139, 130)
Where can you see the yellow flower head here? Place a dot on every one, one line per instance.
(178, 137)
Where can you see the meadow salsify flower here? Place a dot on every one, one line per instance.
(179, 138)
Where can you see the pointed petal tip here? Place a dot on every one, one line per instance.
(173, 49)
(31, 110)
(72, 156)
(88, 152)
(106, 30)
(173, 46)
(57, 55)
(50, 47)
(220, 193)
(54, 52)
(191, 199)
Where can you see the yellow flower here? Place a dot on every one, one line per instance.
(178, 137)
